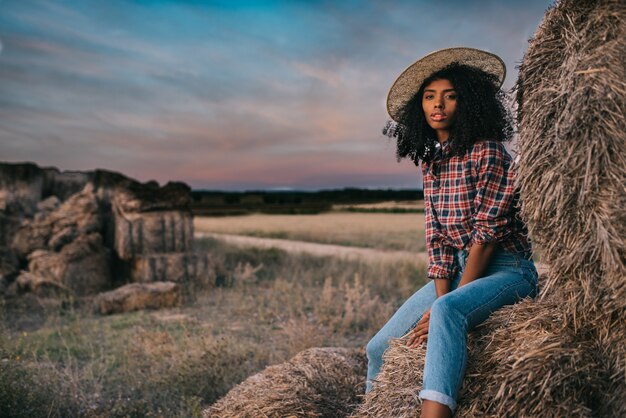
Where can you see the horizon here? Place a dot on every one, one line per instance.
(252, 190)
(229, 95)
(307, 190)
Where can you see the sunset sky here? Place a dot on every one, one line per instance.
(229, 95)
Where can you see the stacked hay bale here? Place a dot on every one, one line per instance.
(63, 247)
(572, 97)
(564, 354)
(318, 382)
(153, 233)
(84, 232)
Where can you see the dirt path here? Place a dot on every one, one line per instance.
(328, 249)
(317, 249)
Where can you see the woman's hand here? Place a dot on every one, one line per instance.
(419, 334)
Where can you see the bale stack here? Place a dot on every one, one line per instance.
(572, 100)
(153, 232)
(318, 382)
(63, 247)
(85, 232)
(564, 354)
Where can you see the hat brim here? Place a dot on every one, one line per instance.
(411, 79)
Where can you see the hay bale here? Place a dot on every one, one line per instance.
(610, 353)
(395, 389)
(529, 362)
(318, 382)
(524, 361)
(40, 286)
(572, 140)
(136, 296)
(191, 270)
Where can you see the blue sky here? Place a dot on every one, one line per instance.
(229, 95)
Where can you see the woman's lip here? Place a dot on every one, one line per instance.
(437, 118)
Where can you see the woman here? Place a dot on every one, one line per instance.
(451, 118)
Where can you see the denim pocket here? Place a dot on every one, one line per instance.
(531, 275)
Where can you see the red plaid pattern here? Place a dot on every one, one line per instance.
(470, 199)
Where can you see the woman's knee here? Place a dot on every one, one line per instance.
(445, 309)
(376, 347)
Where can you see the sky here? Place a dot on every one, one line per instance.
(229, 95)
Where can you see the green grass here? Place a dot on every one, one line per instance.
(59, 359)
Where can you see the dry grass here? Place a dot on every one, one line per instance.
(385, 231)
(172, 362)
(391, 206)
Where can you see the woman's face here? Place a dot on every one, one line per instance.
(439, 105)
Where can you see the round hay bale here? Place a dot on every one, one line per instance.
(318, 382)
(571, 95)
(524, 361)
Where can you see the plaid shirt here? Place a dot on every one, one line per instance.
(470, 199)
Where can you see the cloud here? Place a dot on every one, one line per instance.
(232, 94)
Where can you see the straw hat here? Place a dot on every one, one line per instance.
(412, 78)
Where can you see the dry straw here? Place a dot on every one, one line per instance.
(572, 141)
(318, 382)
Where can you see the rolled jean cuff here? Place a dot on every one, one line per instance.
(442, 398)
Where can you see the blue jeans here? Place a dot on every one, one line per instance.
(508, 278)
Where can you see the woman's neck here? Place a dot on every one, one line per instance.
(442, 135)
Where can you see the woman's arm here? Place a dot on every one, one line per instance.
(442, 286)
(477, 262)
(475, 266)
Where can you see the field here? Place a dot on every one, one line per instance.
(383, 231)
(388, 207)
(59, 359)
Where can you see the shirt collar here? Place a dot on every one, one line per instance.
(442, 151)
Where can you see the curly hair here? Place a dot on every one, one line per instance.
(481, 113)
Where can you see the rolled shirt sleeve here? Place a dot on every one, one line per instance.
(495, 195)
(440, 255)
